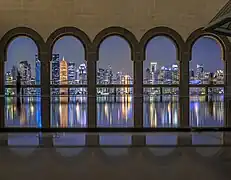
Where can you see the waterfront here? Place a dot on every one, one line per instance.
(70, 113)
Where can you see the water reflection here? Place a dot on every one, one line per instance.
(207, 113)
(23, 112)
(71, 112)
(66, 113)
(115, 114)
(161, 114)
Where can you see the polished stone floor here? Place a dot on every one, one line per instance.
(116, 163)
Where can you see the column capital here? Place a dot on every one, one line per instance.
(92, 56)
(185, 56)
(137, 57)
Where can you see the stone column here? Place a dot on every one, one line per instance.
(3, 141)
(91, 98)
(227, 101)
(2, 93)
(138, 140)
(184, 97)
(45, 58)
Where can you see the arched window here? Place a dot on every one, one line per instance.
(206, 79)
(114, 88)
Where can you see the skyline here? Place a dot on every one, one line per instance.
(23, 48)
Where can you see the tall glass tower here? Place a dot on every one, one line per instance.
(55, 69)
(37, 70)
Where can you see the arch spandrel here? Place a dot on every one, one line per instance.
(70, 31)
(198, 33)
(17, 32)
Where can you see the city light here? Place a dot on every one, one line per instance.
(67, 73)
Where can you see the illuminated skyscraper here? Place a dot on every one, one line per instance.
(153, 66)
(25, 71)
(55, 69)
(153, 71)
(162, 76)
(37, 69)
(219, 77)
(175, 74)
(72, 76)
(63, 75)
(109, 74)
(83, 74)
(14, 72)
(119, 76)
(199, 71)
(71, 72)
(100, 76)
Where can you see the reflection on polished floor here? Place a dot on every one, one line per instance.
(115, 163)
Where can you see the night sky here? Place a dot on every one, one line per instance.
(115, 51)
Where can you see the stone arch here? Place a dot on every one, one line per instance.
(128, 36)
(21, 31)
(198, 33)
(222, 40)
(162, 31)
(225, 48)
(69, 31)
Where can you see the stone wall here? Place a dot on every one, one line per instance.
(92, 16)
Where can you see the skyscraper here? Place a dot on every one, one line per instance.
(63, 75)
(153, 71)
(25, 71)
(153, 66)
(199, 71)
(100, 76)
(37, 70)
(162, 76)
(175, 74)
(14, 72)
(71, 73)
(110, 74)
(55, 69)
(83, 74)
(119, 76)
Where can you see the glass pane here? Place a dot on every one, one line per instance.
(68, 65)
(22, 62)
(115, 65)
(68, 110)
(161, 67)
(23, 111)
(207, 65)
(161, 109)
(207, 110)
